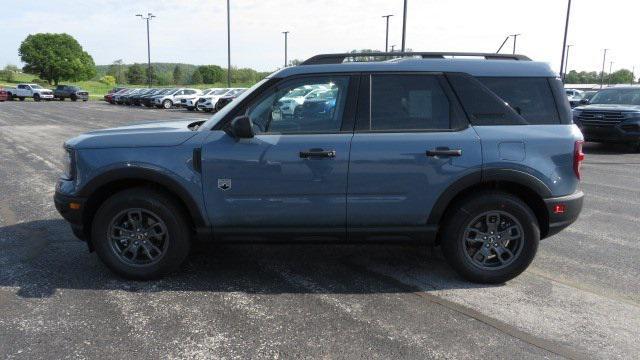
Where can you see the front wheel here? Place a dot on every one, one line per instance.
(167, 104)
(490, 237)
(36, 97)
(141, 234)
(74, 98)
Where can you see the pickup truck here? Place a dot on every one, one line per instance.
(34, 91)
(72, 92)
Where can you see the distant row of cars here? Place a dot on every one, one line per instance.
(38, 93)
(208, 100)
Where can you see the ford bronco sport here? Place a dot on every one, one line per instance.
(477, 153)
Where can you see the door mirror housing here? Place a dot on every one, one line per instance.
(242, 127)
(584, 102)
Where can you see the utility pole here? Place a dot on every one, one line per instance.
(386, 38)
(404, 24)
(515, 37)
(604, 59)
(501, 45)
(633, 72)
(228, 46)
(566, 64)
(392, 47)
(285, 47)
(564, 42)
(149, 17)
(609, 77)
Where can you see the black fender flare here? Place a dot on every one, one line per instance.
(151, 175)
(482, 177)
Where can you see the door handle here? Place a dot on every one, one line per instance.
(317, 153)
(444, 152)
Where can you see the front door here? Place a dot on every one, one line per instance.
(293, 174)
(411, 142)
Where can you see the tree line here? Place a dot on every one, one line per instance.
(622, 76)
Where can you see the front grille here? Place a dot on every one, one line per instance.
(601, 118)
(202, 101)
(83, 93)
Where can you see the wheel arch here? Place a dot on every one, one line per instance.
(526, 187)
(103, 186)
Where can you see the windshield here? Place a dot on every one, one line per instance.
(219, 92)
(225, 110)
(36, 87)
(617, 96)
(206, 91)
(298, 92)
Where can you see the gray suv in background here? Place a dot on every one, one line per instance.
(70, 92)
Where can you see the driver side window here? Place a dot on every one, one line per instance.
(306, 105)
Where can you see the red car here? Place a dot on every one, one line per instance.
(109, 97)
(3, 95)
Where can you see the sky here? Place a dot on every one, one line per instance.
(194, 31)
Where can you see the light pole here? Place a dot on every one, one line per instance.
(386, 38)
(609, 77)
(515, 37)
(633, 72)
(566, 64)
(564, 42)
(604, 59)
(149, 17)
(285, 47)
(392, 47)
(501, 45)
(404, 23)
(228, 46)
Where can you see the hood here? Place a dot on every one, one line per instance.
(609, 107)
(163, 133)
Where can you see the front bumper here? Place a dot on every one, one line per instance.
(563, 211)
(71, 208)
(628, 131)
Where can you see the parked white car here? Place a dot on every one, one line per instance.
(167, 101)
(208, 103)
(190, 103)
(35, 91)
(297, 97)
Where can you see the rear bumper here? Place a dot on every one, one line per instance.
(74, 216)
(571, 206)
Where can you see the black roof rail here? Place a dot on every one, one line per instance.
(341, 57)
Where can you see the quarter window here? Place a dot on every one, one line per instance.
(302, 106)
(408, 102)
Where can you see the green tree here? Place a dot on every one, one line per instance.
(108, 79)
(117, 70)
(196, 78)
(177, 74)
(135, 74)
(56, 57)
(9, 73)
(211, 73)
(622, 76)
(150, 73)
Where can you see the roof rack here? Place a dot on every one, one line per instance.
(340, 58)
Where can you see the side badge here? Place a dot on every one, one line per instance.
(224, 184)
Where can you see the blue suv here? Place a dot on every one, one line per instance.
(477, 153)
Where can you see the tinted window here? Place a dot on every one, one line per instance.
(617, 96)
(280, 111)
(529, 97)
(481, 105)
(408, 102)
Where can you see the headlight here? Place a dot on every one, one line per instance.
(68, 163)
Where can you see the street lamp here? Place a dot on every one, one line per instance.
(147, 18)
(285, 47)
(515, 37)
(404, 23)
(228, 46)
(566, 65)
(386, 38)
(604, 59)
(564, 42)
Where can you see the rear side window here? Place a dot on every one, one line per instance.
(482, 106)
(528, 96)
(408, 102)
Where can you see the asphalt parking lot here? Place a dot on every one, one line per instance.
(579, 299)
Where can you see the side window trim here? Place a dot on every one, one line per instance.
(458, 119)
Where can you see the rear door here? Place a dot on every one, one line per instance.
(412, 142)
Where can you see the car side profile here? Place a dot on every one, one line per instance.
(73, 93)
(477, 154)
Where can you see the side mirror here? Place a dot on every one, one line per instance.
(242, 128)
(584, 102)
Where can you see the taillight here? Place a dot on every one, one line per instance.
(578, 157)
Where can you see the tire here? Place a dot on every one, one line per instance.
(463, 247)
(36, 97)
(10, 96)
(61, 98)
(167, 104)
(73, 98)
(21, 98)
(190, 108)
(171, 250)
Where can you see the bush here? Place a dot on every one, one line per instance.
(43, 83)
(108, 80)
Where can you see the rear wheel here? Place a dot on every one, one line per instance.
(21, 98)
(490, 237)
(61, 98)
(141, 234)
